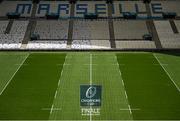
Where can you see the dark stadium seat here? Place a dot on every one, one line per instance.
(13, 15)
(109, 1)
(169, 15)
(72, 1)
(52, 16)
(129, 15)
(35, 37)
(147, 37)
(91, 16)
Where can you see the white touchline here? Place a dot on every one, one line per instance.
(14, 74)
(129, 107)
(167, 73)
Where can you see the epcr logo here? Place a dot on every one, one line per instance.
(91, 92)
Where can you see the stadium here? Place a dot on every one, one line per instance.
(90, 60)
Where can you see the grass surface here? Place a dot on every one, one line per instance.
(31, 92)
(9, 64)
(151, 93)
(47, 85)
(171, 62)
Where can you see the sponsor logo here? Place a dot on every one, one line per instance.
(91, 92)
(90, 95)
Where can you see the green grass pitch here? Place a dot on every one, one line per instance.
(46, 86)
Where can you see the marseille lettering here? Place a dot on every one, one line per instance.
(81, 9)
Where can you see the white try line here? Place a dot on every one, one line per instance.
(14, 74)
(167, 73)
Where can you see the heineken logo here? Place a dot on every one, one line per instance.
(90, 95)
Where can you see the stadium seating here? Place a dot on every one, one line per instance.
(130, 30)
(52, 29)
(90, 44)
(3, 26)
(177, 25)
(90, 30)
(81, 44)
(89, 34)
(48, 44)
(19, 27)
(14, 38)
(167, 37)
(100, 44)
(135, 44)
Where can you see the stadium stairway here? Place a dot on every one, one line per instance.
(70, 28)
(111, 27)
(148, 9)
(9, 26)
(173, 26)
(30, 28)
(151, 27)
(153, 32)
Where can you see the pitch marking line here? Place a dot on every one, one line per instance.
(21, 64)
(63, 64)
(55, 94)
(52, 107)
(129, 107)
(90, 71)
(161, 64)
(166, 72)
(126, 95)
(14, 74)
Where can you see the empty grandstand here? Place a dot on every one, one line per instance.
(89, 25)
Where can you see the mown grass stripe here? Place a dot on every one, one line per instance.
(13, 75)
(167, 73)
(32, 89)
(149, 88)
